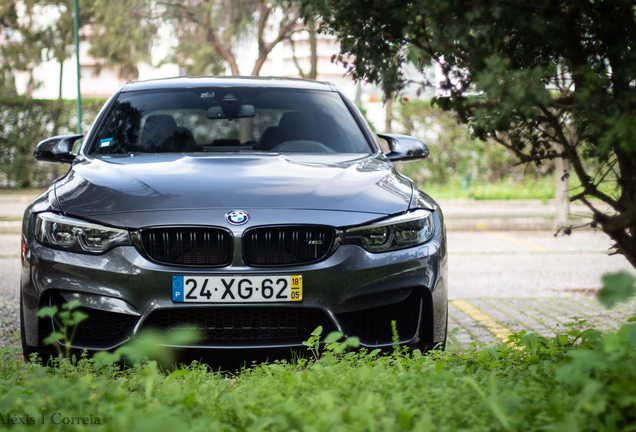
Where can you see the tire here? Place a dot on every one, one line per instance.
(441, 346)
(26, 350)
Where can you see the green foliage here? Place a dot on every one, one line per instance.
(123, 34)
(455, 153)
(210, 34)
(24, 123)
(22, 42)
(579, 380)
(61, 34)
(545, 79)
(234, 17)
(30, 36)
(331, 345)
(508, 189)
(66, 321)
(617, 287)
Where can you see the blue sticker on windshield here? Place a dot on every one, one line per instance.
(177, 289)
(105, 142)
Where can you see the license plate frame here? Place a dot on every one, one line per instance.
(237, 288)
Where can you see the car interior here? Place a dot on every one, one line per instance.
(256, 124)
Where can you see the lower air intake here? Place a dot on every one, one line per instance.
(373, 325)
(100, 329)
(225, 324)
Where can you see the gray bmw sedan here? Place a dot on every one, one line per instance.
(253, 209)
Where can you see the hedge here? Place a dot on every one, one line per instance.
(24, 123)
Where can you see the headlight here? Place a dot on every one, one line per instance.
(398, 232)
(62, 232)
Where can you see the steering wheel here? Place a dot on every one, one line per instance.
(302, 146)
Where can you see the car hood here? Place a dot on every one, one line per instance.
(353, 183)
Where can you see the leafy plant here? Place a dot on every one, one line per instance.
(579, 380)
(544, 79)
(331, 344)
(24, 123)
(66, 321)
(454, 152)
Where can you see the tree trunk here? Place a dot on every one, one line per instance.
(562, 218)
(246, 132)
(300, 70)
(260, 61)
(233, 67)
(224, 51)
(61, 75)
(313, 44)
(30, 88)
(389, 113)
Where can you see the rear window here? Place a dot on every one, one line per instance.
(230, 119)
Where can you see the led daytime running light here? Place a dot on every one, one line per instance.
(76, 235)
(400, 232)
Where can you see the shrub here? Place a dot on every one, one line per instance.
(581, 380)
(25, 122)
(455, 153)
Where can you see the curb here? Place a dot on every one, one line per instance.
(10, 227)
(516, 224)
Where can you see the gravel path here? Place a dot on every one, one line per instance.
(9, 301)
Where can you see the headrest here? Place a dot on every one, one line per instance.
(156, 132)
(295, 125)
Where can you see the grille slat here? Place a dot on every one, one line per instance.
(243, 323)
(201, 246)
(101, 325)
(272, 246)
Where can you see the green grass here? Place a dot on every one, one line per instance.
(577, 381)
(543, 188)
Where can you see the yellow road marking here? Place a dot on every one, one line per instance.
(484, 319)
(517, 241)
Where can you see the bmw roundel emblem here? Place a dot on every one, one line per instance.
(237, 217)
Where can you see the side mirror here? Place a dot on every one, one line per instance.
(57, 149)
(404, 147)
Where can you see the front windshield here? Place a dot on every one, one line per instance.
(230, 119)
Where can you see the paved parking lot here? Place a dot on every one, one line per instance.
(504, 282)
(528, 263)
(499, 282)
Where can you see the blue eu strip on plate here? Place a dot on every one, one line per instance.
(177, 289)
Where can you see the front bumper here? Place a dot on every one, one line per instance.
(352, 291)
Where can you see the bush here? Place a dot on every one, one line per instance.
(454, 152)
(25, 122)
(581, 380)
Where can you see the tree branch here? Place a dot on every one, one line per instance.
(289, 20)
(573, 157)
(300, 70)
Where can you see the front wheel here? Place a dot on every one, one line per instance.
(442, 345)
(26, 350)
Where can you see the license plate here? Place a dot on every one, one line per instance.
(237, 289)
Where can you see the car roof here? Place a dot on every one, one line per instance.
(225, 81)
